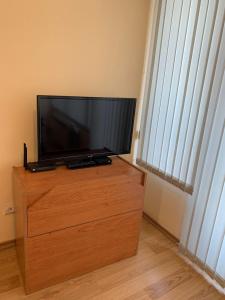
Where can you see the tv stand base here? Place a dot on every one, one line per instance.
(71, 223)
(86, 163)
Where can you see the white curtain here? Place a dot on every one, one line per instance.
(186, 38)
(204, 230)
(183, 120)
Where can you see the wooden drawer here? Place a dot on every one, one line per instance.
(77, 203)
(71, 222)
(67, 253)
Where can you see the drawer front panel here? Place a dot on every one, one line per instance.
(71, 205)
(60, 255)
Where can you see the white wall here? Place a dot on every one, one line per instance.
(165, 204)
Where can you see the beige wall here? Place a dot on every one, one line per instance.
(66, 47)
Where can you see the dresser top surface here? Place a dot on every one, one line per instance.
(62, 175)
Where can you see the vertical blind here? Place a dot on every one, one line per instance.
(188, 40)
(203, 236)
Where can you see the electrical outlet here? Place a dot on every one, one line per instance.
(10, 210)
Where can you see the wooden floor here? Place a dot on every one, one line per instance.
(155, 273)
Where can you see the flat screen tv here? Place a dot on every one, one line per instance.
(71, 128)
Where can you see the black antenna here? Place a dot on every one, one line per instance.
(25, 156)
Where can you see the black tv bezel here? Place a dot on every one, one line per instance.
(61, 159)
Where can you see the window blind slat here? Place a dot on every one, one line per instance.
(151, 98)
(189, 89)
(185, 65)
(197, 100)
(183, 136)
(201, 194)
(150, 55)
(209, 85)
(207, 133)
(218, 234)
(160, 78)
(220, 268)
(212, 202)
(178, 98)
(174, 86)
(204, 237)
(168, 74)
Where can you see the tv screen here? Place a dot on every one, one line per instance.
(81, 127)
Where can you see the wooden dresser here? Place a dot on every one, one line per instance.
(70, 222)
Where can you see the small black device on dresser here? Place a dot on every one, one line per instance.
(91, 162)
(35, 166)
(77, 164)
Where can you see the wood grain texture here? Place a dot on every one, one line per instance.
(20, 221)
(60, 255)
(139, 277)
(73, 222)
(37, 184)
(73, 204)
(7, 244)
(9, 276)
(164, 231)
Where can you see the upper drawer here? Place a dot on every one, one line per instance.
(73, 204)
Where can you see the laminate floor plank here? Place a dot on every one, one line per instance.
(156, 272)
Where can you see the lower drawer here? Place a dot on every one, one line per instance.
(60, 255)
